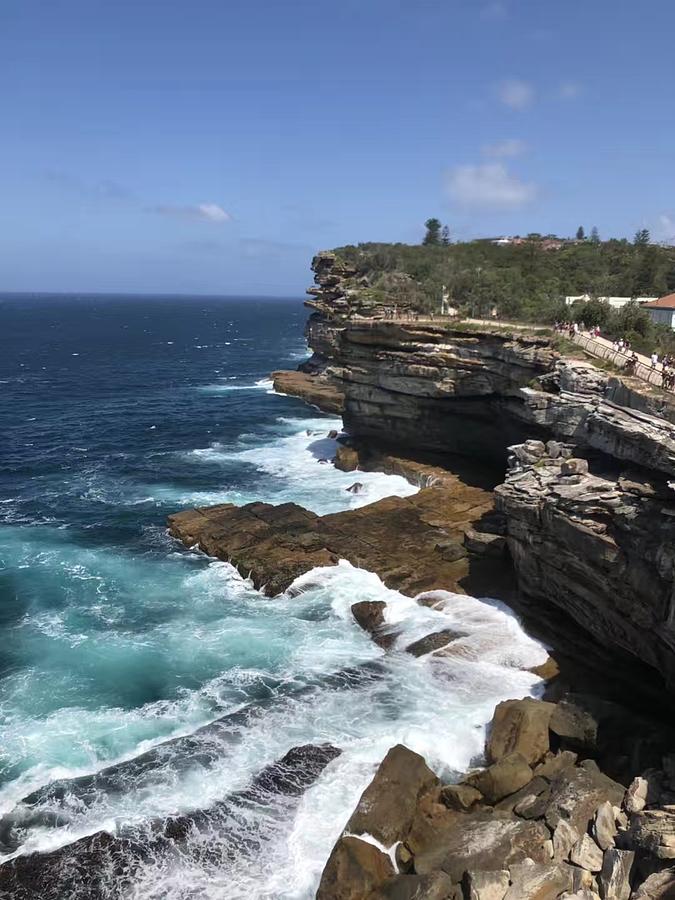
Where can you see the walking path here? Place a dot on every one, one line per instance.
(604, 349)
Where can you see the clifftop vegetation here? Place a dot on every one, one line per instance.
(522, 280)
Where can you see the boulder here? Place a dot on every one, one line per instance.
(356, 488)
(433, 641)
(369, 614)
(576, 794)
(346, 458)
(520, 726)
(435, 886)
(652, 832)
(530, 801)
(604, 825)
(586, 854)
(565, 837)
(574, 466)
(459, 797)
(615, 874)
(483, 543)
(547, 670)
(553, 765)
(486, 885)
(636, 795)
(575, 727)
(531, 881)
(480, 840)
(659, 886)
(354, 869)
(583, 880)
(388, 805)
(332, 434)
(502, 778)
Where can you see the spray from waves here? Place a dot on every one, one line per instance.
(263, 384)
(295, 467)
(435, 705)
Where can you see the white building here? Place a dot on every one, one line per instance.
(614, 302)
(662, 311)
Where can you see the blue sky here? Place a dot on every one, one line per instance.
(211, 146)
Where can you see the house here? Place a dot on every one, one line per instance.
(662, 311)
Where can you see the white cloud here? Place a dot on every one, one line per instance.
(494, 12)
(207, 212)
(489, 186)
(569, 90)
(515, 93)
(665, 230)
(503, 149)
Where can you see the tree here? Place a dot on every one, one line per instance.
(642, 237)
(595, 237)
(433, 235)
(581, 234)
(445, 236)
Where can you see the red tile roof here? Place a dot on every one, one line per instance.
(667, 302)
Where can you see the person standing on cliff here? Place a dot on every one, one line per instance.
(655, 359)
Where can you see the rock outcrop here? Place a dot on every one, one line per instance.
(598, 546)
(413, 543)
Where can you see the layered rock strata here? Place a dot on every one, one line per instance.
(600, 546)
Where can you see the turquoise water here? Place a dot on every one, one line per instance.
(119, 646)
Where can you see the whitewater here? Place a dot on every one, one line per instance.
(140, 680)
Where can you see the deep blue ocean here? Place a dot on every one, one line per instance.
(114, 640)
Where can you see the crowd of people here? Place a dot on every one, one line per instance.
(665, 364)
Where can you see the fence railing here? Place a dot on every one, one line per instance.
(618, 358)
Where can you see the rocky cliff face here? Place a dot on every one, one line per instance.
(600, 546)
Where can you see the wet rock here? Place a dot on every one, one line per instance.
(354, 869)
(346, 458)
(356, 488)
(520, 726)
(434, 641)
(486, 885)
(615, 874)
(502, 778)
(332, 435)
(547, 670)
(586, 854)
(459, 797)
(530, 881)
(604, 826)
(388, 805)
(369, 614)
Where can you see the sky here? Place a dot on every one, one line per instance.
(212, 146)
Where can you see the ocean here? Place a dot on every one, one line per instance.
(119, 647)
